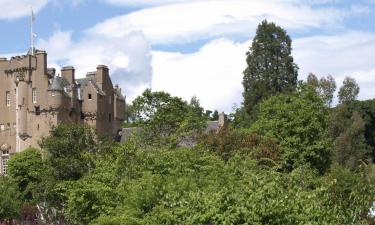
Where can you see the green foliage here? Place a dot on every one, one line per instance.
(270, 67)
(348, 91)
(27, 169)
(325, 87)
(67, 150)
(10, 199)
(350, 145)
(164, 119)
(298, 122)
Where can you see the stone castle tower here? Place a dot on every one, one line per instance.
(33, 99)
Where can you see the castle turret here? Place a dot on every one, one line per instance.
(55, 93)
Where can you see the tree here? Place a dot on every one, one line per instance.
(164, 119)
(348, 91)
(68, 146)
(298, 122)
(270, 67)
(327, 87)
(26, 169)
(313, 81)
(10, 199)
(350, 145)
(215, 115)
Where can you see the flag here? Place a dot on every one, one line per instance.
(34, 34)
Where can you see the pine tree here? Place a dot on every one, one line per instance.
(270, 69)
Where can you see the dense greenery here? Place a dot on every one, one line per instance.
(298, 122)
(294, 160)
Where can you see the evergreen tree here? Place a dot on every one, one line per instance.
(270, 67)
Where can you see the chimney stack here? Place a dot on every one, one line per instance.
(67, 72)
(101, 75)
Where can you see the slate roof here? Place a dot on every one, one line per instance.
(58, 84)
(84, 82)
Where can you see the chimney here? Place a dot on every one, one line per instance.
(101, 75)
(223, 121)
(67, 72)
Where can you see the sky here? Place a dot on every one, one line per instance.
(192, 47)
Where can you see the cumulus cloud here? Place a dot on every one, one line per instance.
(188, 22)
(213, 74)
(12, 9)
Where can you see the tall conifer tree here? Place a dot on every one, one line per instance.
(270, 67)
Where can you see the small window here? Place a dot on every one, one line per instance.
(110, 99)
(8, 99)
(8, 125)
(90, 97)
(109, 117)
(34, 95)
(37, 110)
(38, 127)
(2, 127)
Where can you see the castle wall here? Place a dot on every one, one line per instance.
(27, 80)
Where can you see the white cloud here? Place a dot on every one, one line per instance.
(187, 22)
(213, 74)
(345, 54)
(12, 9)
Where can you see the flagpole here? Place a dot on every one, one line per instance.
(31, 31)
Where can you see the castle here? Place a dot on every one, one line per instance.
(33, 98)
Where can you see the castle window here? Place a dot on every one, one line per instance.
(4, 162)
(37, 110)
(8, 99)
(90, 96)
(38, 127)
(34, 95)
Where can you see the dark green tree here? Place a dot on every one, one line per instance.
(10, 199)
(350, 146)
(270, 67)
(348, 91)
(215, 115)
(67, 150)
(27, 169)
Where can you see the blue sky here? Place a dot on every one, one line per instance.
(194, 47)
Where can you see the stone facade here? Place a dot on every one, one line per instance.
(33, 99)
